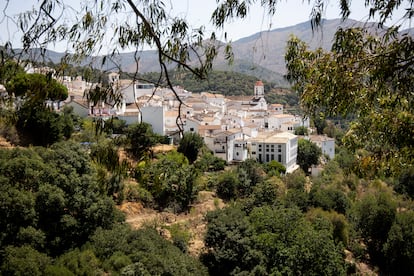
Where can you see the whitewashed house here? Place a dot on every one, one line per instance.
(326, 144)
(223, 145)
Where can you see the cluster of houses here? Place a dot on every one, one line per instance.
(234, 128)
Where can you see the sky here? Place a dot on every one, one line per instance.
(198, 12)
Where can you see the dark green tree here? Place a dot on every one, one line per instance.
(36, 122)
(143, 252)
(274, 168)
(308, 154)
(375, 215)
(170, 180)
(229, 241)
(329, 198)
(39, 125)
(111, 170)
(301, 130)
(269, 240)
(36, 88)
(140, 139)
(77, 262)
(227, 184)
(208, 162)
(399, 247)
(50, 198)
(320, 124)
(8, 70)
(190, 145)
(292, 246)
(405, 183)
(24, 261)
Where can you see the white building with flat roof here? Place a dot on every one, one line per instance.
(279, 146)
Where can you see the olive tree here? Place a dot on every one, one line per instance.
(368, 76)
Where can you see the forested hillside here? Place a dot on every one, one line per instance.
(66, 182)
(59, 212)
(228, 84)
(60, 202)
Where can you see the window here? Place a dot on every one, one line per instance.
(253, 152)
(279, 158)
(191, 129)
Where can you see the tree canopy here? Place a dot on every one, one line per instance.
(369, 76)
(57, 216)
(308, 154)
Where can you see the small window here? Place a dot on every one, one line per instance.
(191, 129)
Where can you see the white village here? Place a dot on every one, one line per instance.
(234, 128)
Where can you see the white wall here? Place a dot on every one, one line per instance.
(154, 115)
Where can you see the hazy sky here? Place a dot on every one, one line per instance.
(198, 12)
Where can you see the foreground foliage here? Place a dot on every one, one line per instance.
(369, 77)
(269, 240)
(58, 218)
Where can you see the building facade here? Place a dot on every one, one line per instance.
(279, 146)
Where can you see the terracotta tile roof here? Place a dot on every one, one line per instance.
(259, 83)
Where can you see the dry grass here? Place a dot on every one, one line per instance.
(193, 221)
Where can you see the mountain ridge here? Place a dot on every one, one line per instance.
(260, 54)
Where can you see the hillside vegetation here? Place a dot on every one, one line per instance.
(60, 205)
(72, 190)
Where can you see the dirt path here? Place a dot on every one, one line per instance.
(4, 143)
(193, 221)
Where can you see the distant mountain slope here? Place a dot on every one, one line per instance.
(267, 49)
(260, 55)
